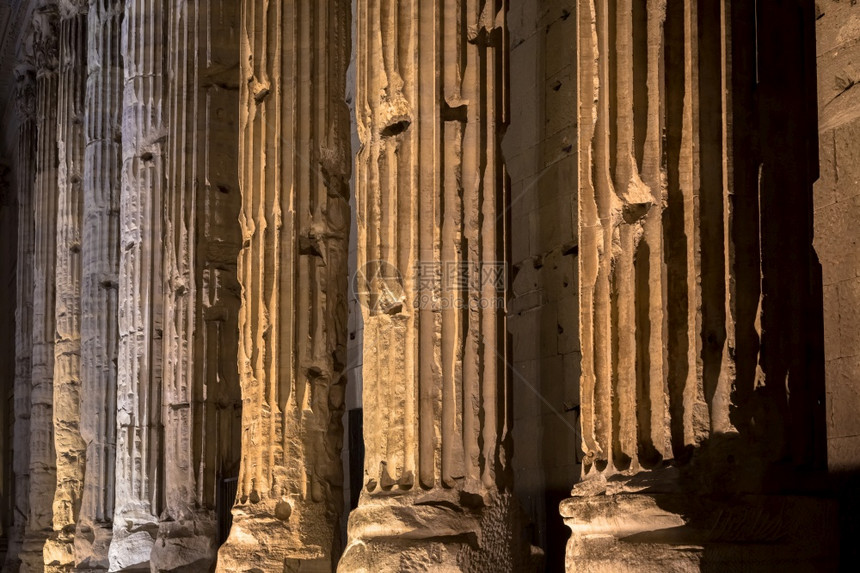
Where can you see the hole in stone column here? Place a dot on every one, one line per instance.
(395, 128)
(283, 510)
(146, 156)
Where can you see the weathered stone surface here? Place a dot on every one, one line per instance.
(701, 365)
(70, 447)
(431, 195)
(25, 100)
(43, 478)
(99, 281)
(294, 175)
(202, 238)
(139, 462)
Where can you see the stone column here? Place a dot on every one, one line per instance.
(294, 176)
(201, 397)
(43, 473)
(431, 199)
(69, 445)
(25, 167)
(139, 462)
(99, 280)
(696, 323)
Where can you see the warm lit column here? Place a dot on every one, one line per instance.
(68, 443)
(431, 199)
(201, 396)
(700, 366)
(294, 175)
(43, 476)
(139, 462)
(99, 280)
(25, 167)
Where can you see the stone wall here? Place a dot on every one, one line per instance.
(837, 241)
(540, 152)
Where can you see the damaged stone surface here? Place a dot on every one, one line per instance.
(294, 169)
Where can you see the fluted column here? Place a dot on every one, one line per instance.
(139, 463)
(69, 445)
(694, 185)
(25, 167)
(43, 475)
(294, 176)
(431, 199)
(201, 396)
(99, 280)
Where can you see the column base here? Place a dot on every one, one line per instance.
(680, 533)
(132, 545)
(267, 536)
(59, 553)
(92, 544)
(441, 531)
(186, 545)
(31, 556)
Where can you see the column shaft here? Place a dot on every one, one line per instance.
(139, 461)
(25, 167)
(201, 398)
(43, 475)
(99, 281)
(294, 175)
(431, 199)
(68, 443)
(690, 376)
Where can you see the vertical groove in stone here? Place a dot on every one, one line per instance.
(666, 312)
(43, 479)
(431, 200)
(411, 140)
(69, 445)
(294, 176)
(99, 280)
(139, 462)
(25, 167)
(201, 243)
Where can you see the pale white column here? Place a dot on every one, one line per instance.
(139, 462)
(99, 281)
(43, 473)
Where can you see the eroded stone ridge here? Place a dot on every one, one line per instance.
(25, 100)
(70, 447)
(201, 307)
(294, 174)
(43, 476)
(99, 281)
(691, 376)
(139, 466)
(431, 196)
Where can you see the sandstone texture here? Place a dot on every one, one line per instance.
(294, 169)
(139, 440)
(428, 285)
(695, 381)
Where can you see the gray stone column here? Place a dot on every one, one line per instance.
(701, 396)
(139, 462)
(431, 200)
(25, 168)
(99, 280)
(201, 396)
(69, 445)
(294, 176)
(43, 472)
